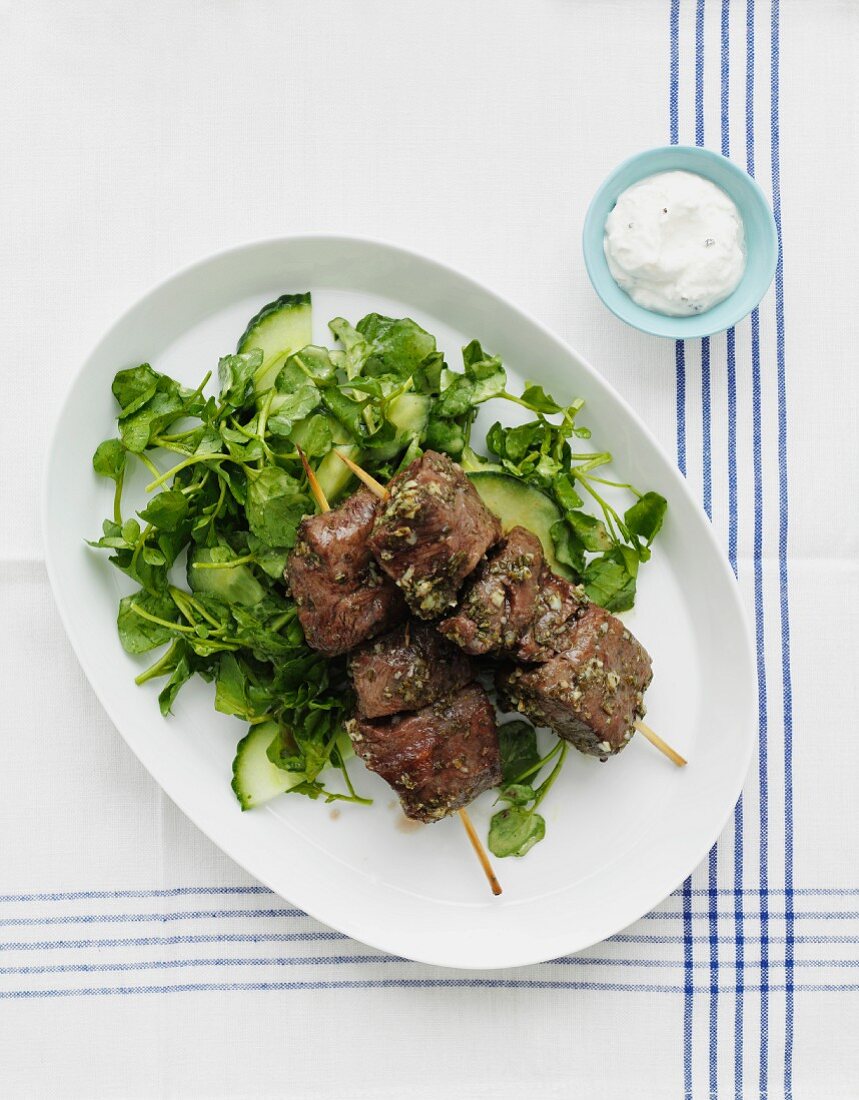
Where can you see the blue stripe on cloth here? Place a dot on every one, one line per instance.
(637, 937)
(674, 71)
(739, 934)
(725, 100)
(318, 937)
(796, 892)
(765, 915)
(706, 429)
(174, 964)
(757, 464)
(680, 374)
(699, 72)
(707, 485)
(731, 382)
(357, 959)
(684, 913)
(732, 451)
(356, 983)
(782, 553)
(714, 976)
(699, 964)
(121, 918)
(402, 983)
(104, 895)
(182, 891)
(170, 941)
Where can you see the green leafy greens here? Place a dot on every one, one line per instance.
(227, 491)
(540, 452)
(515, 830)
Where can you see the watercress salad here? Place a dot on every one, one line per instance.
(227, 491)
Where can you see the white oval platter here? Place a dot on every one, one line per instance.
(620, 835)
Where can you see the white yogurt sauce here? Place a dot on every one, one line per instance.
(675, 243)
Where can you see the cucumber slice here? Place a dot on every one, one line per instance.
(280, 328)
(233, 584)
(332, 474)
(518, 504)
(410, 413)
(255, 778)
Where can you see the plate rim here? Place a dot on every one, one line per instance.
(406, 254)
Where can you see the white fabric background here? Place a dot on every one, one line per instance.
(138, 137)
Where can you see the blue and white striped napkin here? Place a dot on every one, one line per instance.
(135, 959)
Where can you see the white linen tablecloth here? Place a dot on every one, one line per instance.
(135, 959)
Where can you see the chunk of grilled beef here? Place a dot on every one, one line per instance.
(558, 607)
(342, 596)
(432, 532)
(408, 668)
(592, 693)
(437, 759)
(500, 599)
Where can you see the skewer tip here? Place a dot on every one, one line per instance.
(655, 740)
(315, 487)
(374, 486)
(480, 851)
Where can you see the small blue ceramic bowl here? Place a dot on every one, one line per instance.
(760, 231)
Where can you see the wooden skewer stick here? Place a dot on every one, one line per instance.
(315, 487)
(658, 743)
(371, 483)
(480, 851)
(477, 844)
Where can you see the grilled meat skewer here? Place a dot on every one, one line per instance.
(500, 599)
(559, 605)
(591, 694)
(431, 532)
(514, 604)
(580, 671)
(410, 667)
(342, 596)
(590, 673)
(379, 492)
(437, 759)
